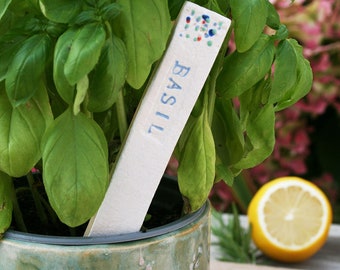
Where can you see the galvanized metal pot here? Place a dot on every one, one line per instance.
(182, 244)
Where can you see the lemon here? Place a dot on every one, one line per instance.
(290, 219)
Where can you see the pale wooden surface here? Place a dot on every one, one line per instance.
(160, 119)
(327, 258)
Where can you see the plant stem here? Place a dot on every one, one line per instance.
(17, 214)
(121, 116)
(242, 192)
(36, 198)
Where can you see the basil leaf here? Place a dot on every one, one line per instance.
(197, 164)
(86, 16)
(273, 18)
(214, 6)
(228, 133)
(9, 44)
(260, 137)
(285, 67)
(61, 52)
(223, 172)
(228, 137)
(250, 19)
(85, 51)
(175, 7)
(6, 205)
(108, 77)
(144, 26)
(82, 87)
(3, 7)
(243, 70)
(254, 98)
(21, 130)
(61, 11)
(303, 83)
(110, 11)
(75, 161)
(27, 68)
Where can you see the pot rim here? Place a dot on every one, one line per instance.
(111, 239)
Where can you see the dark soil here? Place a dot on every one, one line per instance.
(166, 207)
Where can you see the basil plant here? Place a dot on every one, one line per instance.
(73, 71)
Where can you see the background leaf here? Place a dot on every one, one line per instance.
(82, 87)
(197, 164)
(61, 52)
(144, 26)
(243, 70)
(303, 83)
(3, 7)
(75, 161)
(6, 205)
(260, 137)
(85, 51)
(9, 44)
(250, 18)
(108, 77)
(27, 68)
(228, 133)
(61, 11)
(21, 130)
(273, 18)
(285, 67)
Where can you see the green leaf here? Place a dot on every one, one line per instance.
(144, 26)
(282, 33)
(228, 133)
(254, 98)
(303, 83)
(197, 164)
(111, 11)
(273, 18)
(9, 44)
(260, 137)
(108, 77)
(285, 71)
(243, 70)
(250, 19)
(27, 68)
(224, 173)
(75, 167)
(82, 87)
(6, 23)
(175, 7)
(85, 51)
(214, 6)
(86, 17)
(6, 205)
(61, 11)
(3, 7)
(21, 130)
(61, 52)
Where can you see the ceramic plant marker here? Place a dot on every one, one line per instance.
(160, 119)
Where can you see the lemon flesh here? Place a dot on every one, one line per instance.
(290, 218)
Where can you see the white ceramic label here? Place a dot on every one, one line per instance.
(160, 119)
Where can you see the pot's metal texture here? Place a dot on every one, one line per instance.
(180, 245)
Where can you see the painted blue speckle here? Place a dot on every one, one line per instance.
(206, 18)
(212, 32)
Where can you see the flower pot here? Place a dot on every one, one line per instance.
(181, 244)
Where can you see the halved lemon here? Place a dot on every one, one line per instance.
(290, 219)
